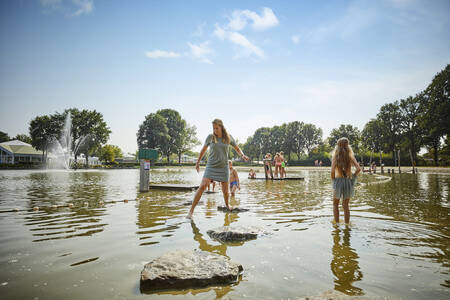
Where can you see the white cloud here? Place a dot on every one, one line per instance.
(200, 52)
(84, 7)
(239, 18)
(295, 39)
(236, 38)
(161, 54)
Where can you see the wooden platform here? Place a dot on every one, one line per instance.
(287, 178)
(174, 187)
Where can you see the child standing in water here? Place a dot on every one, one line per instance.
(342, 177)
(234, 179)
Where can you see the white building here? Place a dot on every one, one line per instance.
(16, 151)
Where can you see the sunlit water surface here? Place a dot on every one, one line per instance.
(397, 245)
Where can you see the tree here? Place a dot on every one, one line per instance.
(294, 139)
(176, 129)
(109, 153)
(312, 136)
(372, 136)
(277, 138)
(153, 133)
(249, 148)
(188, 140)
(261, 139)
(435, 111)
(4, 137)
(390, 118)
(89, 131)
(24, 138)
(348, 131)
(41, 134)
(410, 112)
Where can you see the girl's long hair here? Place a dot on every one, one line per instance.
(342, 156)
(225, 136)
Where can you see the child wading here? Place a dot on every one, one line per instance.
(234, 179)
(342, 177)
(217, 165)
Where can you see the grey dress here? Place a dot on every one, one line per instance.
(217, 165)
(344, 187)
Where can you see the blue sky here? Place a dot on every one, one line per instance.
(250, 63)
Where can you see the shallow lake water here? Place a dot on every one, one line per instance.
(397, 245)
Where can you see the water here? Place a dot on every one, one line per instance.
(397, 246)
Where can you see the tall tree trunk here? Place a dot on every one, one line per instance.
(168, 158)
(87, 160)
(179, 158)
(380, 158)
(436, 148)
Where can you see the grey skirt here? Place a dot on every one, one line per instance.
(344, 188)
(217, 174)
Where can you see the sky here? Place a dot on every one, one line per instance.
(249, 63)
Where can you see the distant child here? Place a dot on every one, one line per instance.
(278, 160)
(342, 177)
(267, 162)
(234, 179)
(283, 165)
(251, 174)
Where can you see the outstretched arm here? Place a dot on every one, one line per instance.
(200, 156)
(239, 151)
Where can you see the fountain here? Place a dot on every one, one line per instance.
(61, 155)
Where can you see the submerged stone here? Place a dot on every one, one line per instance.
(235, 233)
(332, 295)
(188, 269)
(233, 209)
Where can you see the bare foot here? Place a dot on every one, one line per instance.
(189, 216)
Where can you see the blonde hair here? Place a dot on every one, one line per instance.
(342, 156)
(225, 136)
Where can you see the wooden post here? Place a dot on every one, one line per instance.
(144, 178)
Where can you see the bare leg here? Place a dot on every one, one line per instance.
(226, 193)
(198, 195)
(336, 209)
(346, 210)
(214, 185)
(233, 190)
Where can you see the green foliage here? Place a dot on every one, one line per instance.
(4, 137)
(348, 131)
(24, 138)
(109, 153)
(167, 132)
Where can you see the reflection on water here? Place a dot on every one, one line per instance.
(398, 245)
(345, 265)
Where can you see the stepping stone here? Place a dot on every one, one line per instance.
(184, 269)
(235, 233)
(234, 209)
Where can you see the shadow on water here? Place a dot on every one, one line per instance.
(344, 265)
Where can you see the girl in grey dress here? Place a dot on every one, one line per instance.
(342, 177)
(217, 165)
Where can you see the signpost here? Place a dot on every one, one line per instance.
(145, 156)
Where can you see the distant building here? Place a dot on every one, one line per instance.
(16, 151)
(126, 160)
(188, 159)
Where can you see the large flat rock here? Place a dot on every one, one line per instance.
(188, 269)
(234, 233)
